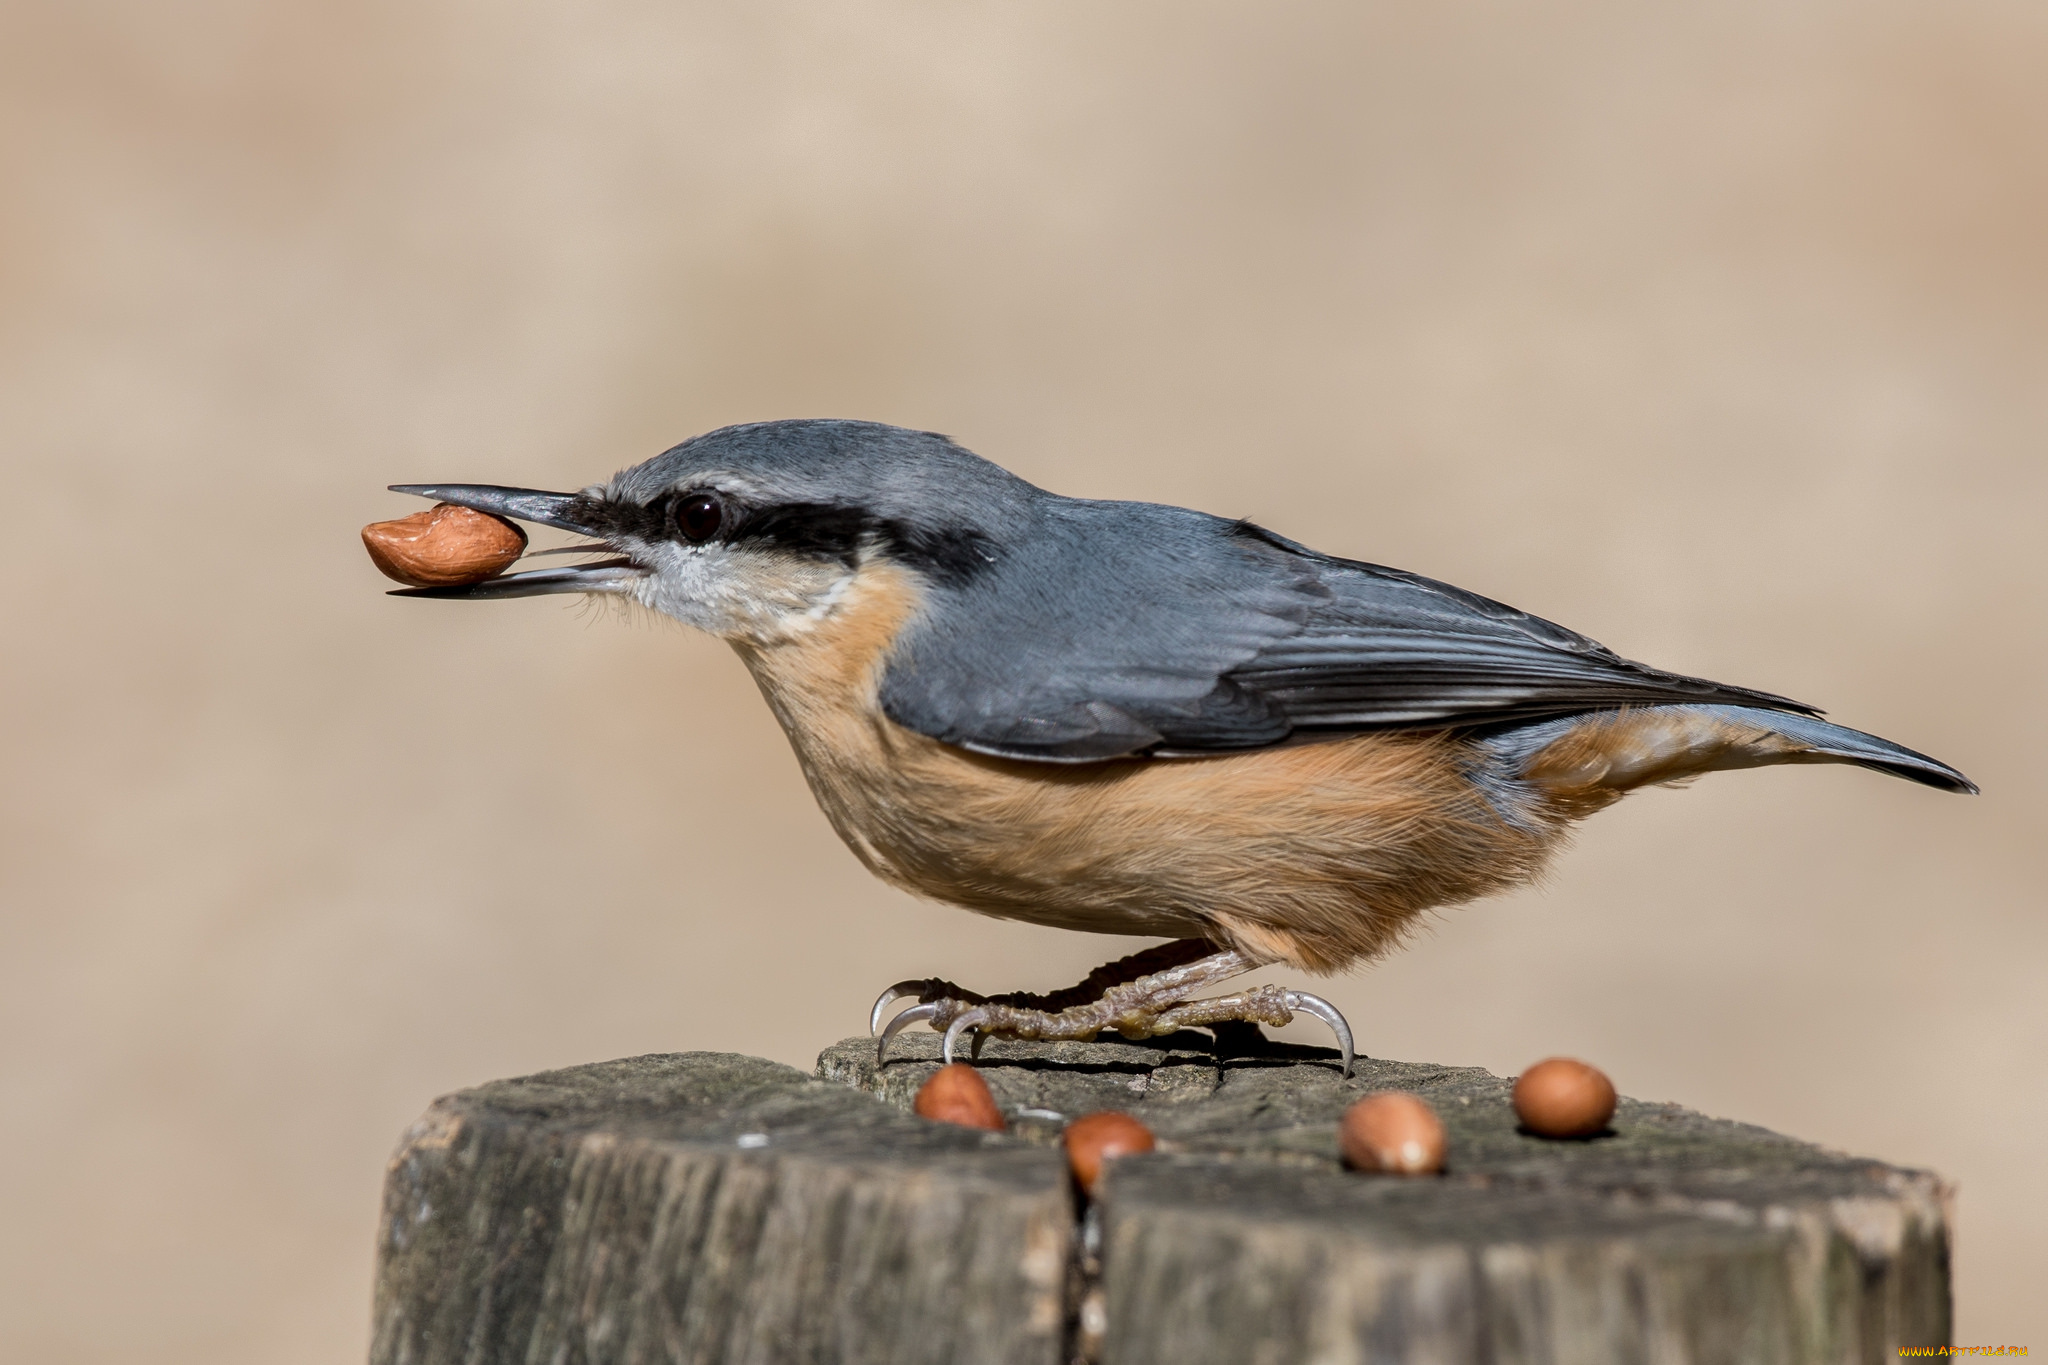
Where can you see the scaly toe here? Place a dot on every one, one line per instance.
(962, 1022)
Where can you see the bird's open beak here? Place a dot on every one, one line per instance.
(559, 510)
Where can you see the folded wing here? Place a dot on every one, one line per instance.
(1128, 628)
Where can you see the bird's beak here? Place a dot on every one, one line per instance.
(559, 510)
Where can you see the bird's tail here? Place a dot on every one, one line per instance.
(1593, 758)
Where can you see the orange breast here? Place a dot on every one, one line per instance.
(1316, 855)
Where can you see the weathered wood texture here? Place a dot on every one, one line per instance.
(709, 1207)
(712, 1207)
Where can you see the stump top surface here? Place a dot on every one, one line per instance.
(1277, 1104)
(709, 1206)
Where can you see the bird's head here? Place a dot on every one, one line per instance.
(749, 531)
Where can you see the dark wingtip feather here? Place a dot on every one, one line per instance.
(1939, 776)
(1869, 751)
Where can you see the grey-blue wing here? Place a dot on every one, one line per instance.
(1109, 629)
(1394, 649)
(1127, 628)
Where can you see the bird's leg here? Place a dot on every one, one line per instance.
(950, 999)
(1141, 996)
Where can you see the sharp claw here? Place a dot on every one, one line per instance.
(1328, 1013)
(967, 1020)
(901, 1022)
(889, 997)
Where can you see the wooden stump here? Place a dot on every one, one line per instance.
(712, 1207)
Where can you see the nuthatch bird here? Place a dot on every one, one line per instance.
(1137, 719)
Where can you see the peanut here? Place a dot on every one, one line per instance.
(444, 547)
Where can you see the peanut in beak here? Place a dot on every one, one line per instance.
(444, 547)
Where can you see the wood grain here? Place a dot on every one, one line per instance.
(710, 1207)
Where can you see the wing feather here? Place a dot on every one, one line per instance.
(1127, 628)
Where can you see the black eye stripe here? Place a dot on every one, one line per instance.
(649, 522)
(609, 520)
(817, 530)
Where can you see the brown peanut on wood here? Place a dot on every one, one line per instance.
(1095, 1139)
(956, 1093)
(1563, 1097)
(1392, 1131)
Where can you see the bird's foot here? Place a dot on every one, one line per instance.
(1145, 995)
(937, 991)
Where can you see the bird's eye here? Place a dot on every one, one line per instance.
(699, 516)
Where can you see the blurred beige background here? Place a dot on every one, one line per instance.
(1717, 333)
